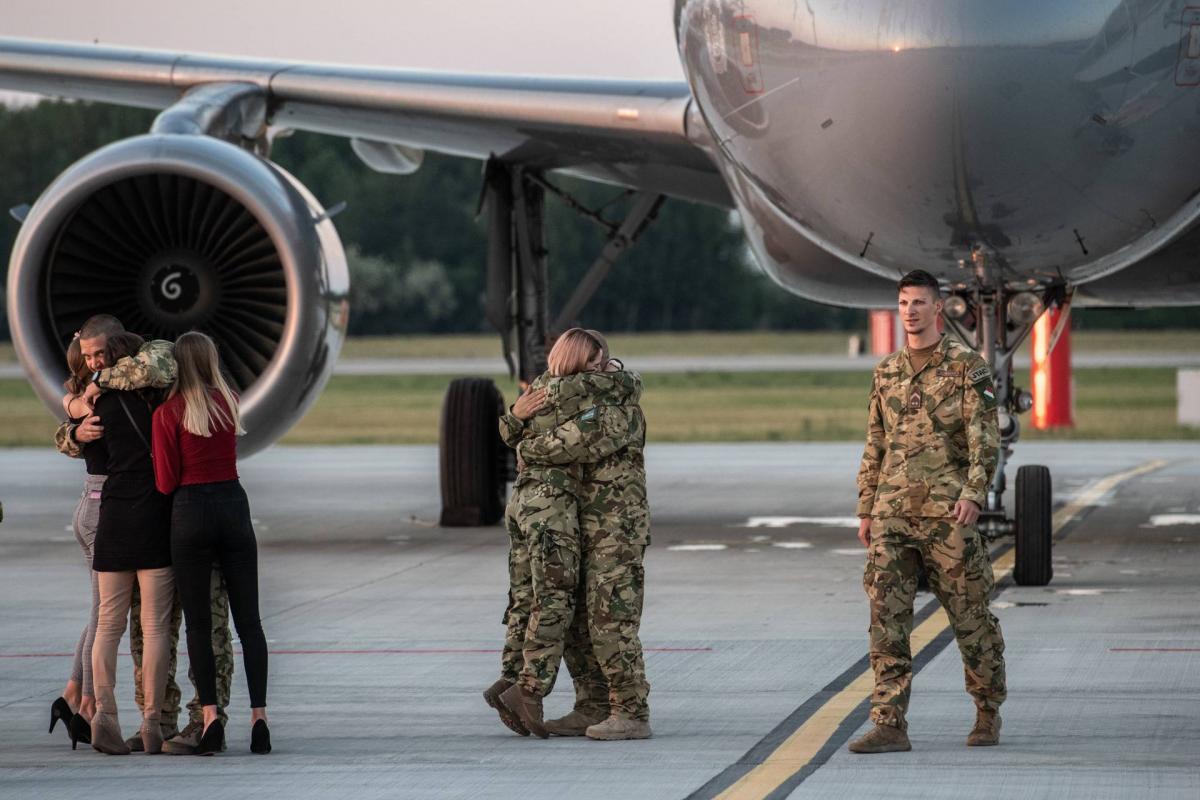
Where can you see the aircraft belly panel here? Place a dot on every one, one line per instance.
(1054, 135)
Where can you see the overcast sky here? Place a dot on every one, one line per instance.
(613, 38)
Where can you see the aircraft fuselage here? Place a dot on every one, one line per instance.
(1061, 136)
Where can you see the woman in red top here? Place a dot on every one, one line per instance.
(195, 456)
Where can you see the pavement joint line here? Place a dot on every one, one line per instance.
(800, 753)
(381, 651)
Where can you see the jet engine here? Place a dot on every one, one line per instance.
(173, 233)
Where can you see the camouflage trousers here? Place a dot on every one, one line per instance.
(574, 596)
(543, 525)
(222, 649)
(960, 574)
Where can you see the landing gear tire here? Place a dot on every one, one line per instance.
(472, 456)
(1033, 527)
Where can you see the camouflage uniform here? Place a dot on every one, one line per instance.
(154, 367)
(607, 439)
(932, 440)
(542, 519)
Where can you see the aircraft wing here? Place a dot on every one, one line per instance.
(640, 134)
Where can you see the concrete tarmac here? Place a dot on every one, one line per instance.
(384, 629)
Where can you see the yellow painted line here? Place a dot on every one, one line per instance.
(802, 746)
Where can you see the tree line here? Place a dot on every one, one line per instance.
(417, 250)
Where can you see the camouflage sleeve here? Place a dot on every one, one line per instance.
(983, 433)
(590, 437)
(868, 469)
(153, 367)
(64, 441)
(511, 428)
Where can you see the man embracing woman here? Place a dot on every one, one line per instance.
(578, 524)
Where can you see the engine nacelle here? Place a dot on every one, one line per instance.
(173, 233)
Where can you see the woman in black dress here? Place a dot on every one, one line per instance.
(132, 545)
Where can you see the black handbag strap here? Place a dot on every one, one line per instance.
(136, 429)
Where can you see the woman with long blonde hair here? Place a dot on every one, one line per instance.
(195, 457)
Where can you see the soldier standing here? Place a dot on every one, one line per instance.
(931, 449)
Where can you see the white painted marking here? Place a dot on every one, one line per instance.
(783, 522)
(792, 545)
(69, 529)
(1164, 520)
(696, 548)
(760, 538)
(1088, 592)
(851, 551)
(1001, 604)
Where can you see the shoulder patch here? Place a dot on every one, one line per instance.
(980, 373)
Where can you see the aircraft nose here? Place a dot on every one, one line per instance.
(906, 133)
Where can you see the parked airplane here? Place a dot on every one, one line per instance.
(1029, 154)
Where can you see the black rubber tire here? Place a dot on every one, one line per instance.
(472, 456)
(1034, 533)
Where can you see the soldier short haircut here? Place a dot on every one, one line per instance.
(101, 325)
(919, 277)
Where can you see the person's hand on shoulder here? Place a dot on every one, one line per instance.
(89, 430)
(529, 404)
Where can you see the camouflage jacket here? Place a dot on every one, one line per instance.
(152, 368)
(562, 402)
(932, 437)
(588, 418)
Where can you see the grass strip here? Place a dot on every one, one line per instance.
(1127, 403)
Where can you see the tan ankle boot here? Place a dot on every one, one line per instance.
(528, 707)
(106, 735)
(987, 729)
(491, 696)
(574, 724)
(882, 739)
(617, 728)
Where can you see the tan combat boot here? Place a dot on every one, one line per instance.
(618, 728)
(987, 729)
(528, 708)
(882, 739)
(491, 696)
(574, 724)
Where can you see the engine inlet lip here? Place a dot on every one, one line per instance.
(262, 189)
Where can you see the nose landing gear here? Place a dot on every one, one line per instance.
(994, 317)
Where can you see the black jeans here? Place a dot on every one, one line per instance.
(211, 522)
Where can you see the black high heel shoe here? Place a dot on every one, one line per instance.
(212, 740)
(260, 738)
(60, 710)
(80, 730)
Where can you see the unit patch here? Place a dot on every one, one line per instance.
(588, 415)
(980, 373)
(947, 372)
(987, 393)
